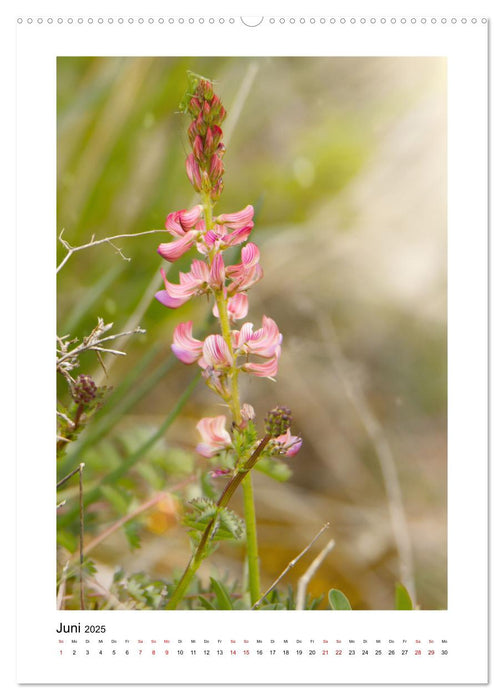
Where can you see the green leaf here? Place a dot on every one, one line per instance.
(402, 598)
(223, 599)
(338, 600)
(228, 525)
(206, 603)
(274, 469)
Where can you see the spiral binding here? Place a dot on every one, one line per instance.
(251, 22)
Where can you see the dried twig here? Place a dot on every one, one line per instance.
(92, 342)
(290, 565)
(74, 249)
(309, 573)
(68, 476)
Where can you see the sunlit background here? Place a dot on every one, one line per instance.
(344, 160)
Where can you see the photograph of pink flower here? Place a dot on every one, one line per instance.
(225, 221)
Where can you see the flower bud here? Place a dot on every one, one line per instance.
(84, 390)
(247, 412)
(194, 106)
(216, 168)
(193, 172)
(198, 149)
(278, 421)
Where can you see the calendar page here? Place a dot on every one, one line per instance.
(260, 248)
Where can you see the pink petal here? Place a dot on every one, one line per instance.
(193, 171)
(238, 307)
(264, 369)
(173, 225)
(193, 282)
(190, 217)
(250, 254)
(217, 272)
(246, 332)
(263, 342)
(239, 218)
(173, 251)
(172, 295)
(185, 347)
(238, 236)
(169, 301)
(243, 277)
(290, 444)
(216, 352)
(214, 435)
(249, 272)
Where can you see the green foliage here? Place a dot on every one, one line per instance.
(138, 591)
(402, 598)
(206, 603)
(223, 600)
(228, 525)
(338, 600)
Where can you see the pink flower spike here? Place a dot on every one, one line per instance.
(267, 369)
(217, 272)
(289, 444)
(186, 348)
(173, 251)
(238, 218)
(216, 353)
(214, 436)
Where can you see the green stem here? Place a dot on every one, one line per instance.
(226, 334)
(234, 402)
(224, 499)
(251, 534)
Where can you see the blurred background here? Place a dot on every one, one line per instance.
(344, 160)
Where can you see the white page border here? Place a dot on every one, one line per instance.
(464, 44)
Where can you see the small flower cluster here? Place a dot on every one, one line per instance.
(84, 391)
(221, 356)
